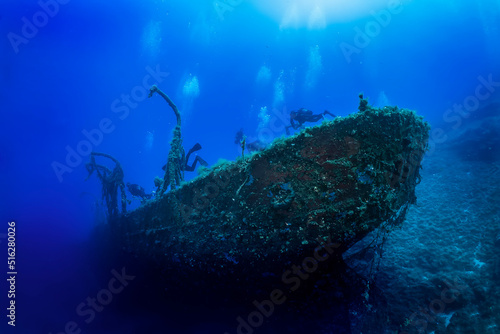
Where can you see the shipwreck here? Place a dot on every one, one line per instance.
(244, 223)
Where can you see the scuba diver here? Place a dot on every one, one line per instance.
(239, 136)
(138, 191)
(254, 146)
(197, 159)
(299, 117)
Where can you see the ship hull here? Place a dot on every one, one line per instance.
(304, 200)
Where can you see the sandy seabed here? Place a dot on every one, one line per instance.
(439, 273)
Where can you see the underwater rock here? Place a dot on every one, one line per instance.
(304, 200)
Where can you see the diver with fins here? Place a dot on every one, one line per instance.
(185, 166)
(138, 191)
(303, 115)
(254, 146)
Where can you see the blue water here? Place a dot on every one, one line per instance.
(76, 67)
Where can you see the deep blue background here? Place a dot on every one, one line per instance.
(65, 79)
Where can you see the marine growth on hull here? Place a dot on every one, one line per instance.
(326, 188)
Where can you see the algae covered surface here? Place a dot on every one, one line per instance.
(332, 183)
